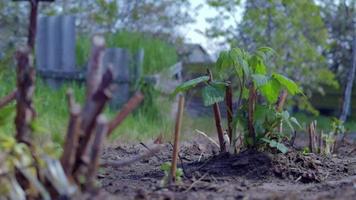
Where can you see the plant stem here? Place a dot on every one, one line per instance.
(229, 111)
(217, 116)
(172, 177)
(251, 110)
(281, 100)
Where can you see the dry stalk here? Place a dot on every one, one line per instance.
(71, 143)
(100, 134)
(312, 137)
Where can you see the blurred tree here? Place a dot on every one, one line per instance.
(12, 13)
(294, 29)
(161, 18)
(340, 18)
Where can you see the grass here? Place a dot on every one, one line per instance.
(52, 113)
(158, 54)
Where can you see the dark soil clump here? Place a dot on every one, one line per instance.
(247, 175)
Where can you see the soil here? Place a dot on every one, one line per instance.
(247, 175)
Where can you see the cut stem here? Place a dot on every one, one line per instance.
(172, 176)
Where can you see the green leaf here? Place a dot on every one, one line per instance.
(274, 144)
(295, 121)
(5, 114)
(190, 84)
(166, 166)
(224, 61)
(265, 52)
(257, 65)
(271, 90)
(213, 94)
(260, 80)
(263, 112)
(290, 85)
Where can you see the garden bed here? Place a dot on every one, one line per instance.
(247, 175)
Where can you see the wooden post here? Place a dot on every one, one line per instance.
(172, 177)
(33, 21)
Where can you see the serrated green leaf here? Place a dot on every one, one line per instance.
(271, 90)
(257, 65)
(287, 83)
(190, 84)
(213, 94)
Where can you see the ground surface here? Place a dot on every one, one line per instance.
(248, 175)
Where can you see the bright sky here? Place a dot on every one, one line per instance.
(194, 31)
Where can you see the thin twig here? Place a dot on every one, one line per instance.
(195, 182)
(206, 136)
(146, 147)
(125, 111)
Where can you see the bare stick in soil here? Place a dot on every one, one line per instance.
(321, 149)
(25, 112)
(311, 132)
(172, 175)
(8, 99)
(217, 117)
(149, 153)
(229, 113)
(251, 110)
(125, 111)
(100, 134)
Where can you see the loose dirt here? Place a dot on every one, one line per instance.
(247, 175)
